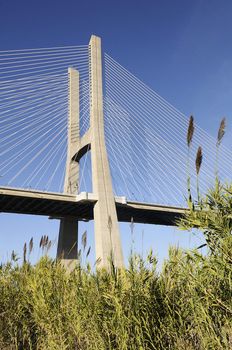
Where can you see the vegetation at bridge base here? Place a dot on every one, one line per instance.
(186, 305)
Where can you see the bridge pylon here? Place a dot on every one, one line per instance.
(68, 233)
(106, 227)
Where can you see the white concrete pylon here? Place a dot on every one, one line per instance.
(68, 233)
(72, 167)
(106, 227)
(107, 235)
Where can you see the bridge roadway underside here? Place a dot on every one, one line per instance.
(58, 205)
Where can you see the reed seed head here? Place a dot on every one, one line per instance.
(46, 241)
(43, 241)
(24, 252)
(84, 239)
(221, 131)
(132, 225)
(199, 159)
(88, 252)
(98, 261)
(190, 131)
(49, 245)
(13, 256)
(30, 245)
(79, 254)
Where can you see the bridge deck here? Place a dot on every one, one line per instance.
(81, 206)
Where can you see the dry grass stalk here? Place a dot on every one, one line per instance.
(88, 252)
(30, 245)
(49, 245)
(46, 241)
(199, 159)
(98, 261)
(221, 131)
(24, 252)
(132, 225)
(13, 256)
(84, 239)
(190, 131)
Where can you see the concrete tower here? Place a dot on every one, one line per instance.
(68, 233)
(107, 236)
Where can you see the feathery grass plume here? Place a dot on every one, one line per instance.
(30, 245)
(49, 245)
(98, 261)
(88, 252)
(13, 256)
(25, 252)
(41, 242)
(221, 131)
(190, 131)
(189, 141)
(46, 241)
(132, 225)
(84, 240)
(199, 158)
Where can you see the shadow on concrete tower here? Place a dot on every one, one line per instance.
(107, 235)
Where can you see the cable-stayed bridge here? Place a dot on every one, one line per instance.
(82, 138)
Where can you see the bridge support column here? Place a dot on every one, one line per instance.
(67, 242)
(107, 236)
(68, 233)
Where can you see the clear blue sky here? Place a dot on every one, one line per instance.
(182, 49)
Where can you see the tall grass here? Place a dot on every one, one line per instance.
(190, 133)
(187, 305)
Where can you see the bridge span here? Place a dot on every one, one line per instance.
(57, 205)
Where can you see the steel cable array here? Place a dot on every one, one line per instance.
(34, 104)
(146, 140)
